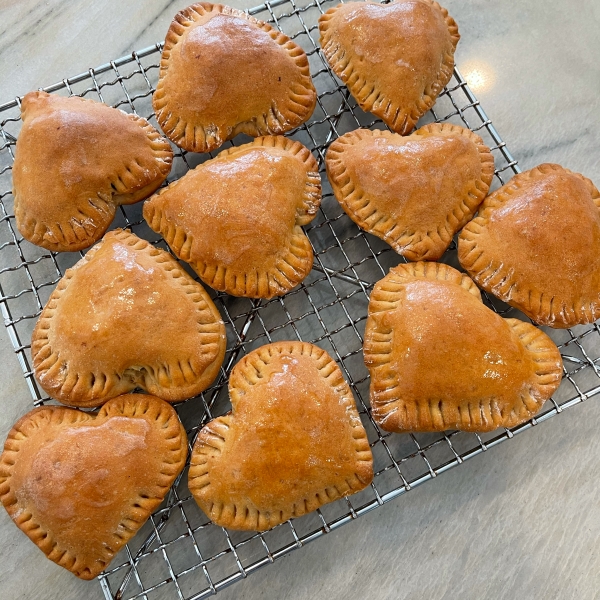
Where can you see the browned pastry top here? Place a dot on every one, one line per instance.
(236, 218)
(413, 192)
(395, 58)
(224, 73)
(80, 485)
(293, 441)
(127, 315)
(76, 161)
(536, 245)
(440, 359)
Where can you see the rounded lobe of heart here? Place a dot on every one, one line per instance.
(132, 318)
(80, 485)
(240, 211)
(476, 354)
(548, 235)
(226, 70)
(70, 155)
(415, 181)
(398, 47)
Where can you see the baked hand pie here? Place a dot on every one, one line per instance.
(535, 244)
(440, 359)
(223, 72)
(127, 315)
(413, 192)
(80, 485)
(237, 218)
(76, 162)
(292, 442)
(394, 58)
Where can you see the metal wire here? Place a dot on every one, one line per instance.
(179, 553)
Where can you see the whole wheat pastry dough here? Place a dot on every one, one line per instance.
(292, 442)
(223, 72)
(80, 485)
(535, 244)
(440, 359)
(76, 161)
(237, 218)
(127, 315)
(395, 58)
(413, 192)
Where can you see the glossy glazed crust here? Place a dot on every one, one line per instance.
(426, 234)
(76, 161)
(397, 399)
(535, 244)
(86, 544)
(123, 318)
(302, 445)
(181, 211)
(375, 84)
(258, 91)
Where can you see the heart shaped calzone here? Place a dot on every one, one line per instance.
(395, 58)
(292, 442)
(440, 359)
(80, 485)
(127, 315)
(413, 192)
(237, 218)
(535, 244)
(76, 161)
(223, 72)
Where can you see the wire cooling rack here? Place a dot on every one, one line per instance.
(179, 554)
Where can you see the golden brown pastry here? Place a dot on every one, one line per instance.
(80, 485)
(535, 244)
(76, 161)
(395, 58)
(292, 442)
(237, 218)
(440, 359)
(413, 192)
(127, 315)
(223, 72)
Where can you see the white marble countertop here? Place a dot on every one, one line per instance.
(522, 520)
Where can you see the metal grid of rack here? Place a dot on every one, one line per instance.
(179, 554)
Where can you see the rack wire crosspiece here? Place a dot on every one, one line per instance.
(179, 554)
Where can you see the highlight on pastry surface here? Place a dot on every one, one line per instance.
(237, 218)
(440, 359)
(223, 73)
(292, 442)
(413, 192)
(76, 161)
(81, 507)
(127, 315)
(535, 244)
(394, 58)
